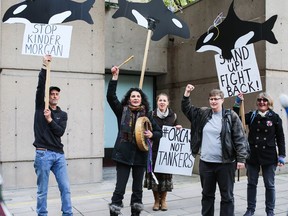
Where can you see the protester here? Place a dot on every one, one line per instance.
(267, 144)
(49, 127)
(220, 136)
(163, 115)
(126, 153)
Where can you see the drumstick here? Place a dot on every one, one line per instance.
(127, 60)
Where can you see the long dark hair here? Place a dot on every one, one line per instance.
(126, 98)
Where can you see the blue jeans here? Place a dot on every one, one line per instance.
(212, 174)
(44, 162)
(268, 172)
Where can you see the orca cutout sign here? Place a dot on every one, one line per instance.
(48, 12)
(166, 22)
(234, 33)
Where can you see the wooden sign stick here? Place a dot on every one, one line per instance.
(47, 85)
(145, 58)
(242, 114)
(127, 60)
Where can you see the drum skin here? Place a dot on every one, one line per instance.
(142, 124)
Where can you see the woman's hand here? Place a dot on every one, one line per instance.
(240, 165)
(241, 96)
(179, 127)
(115, 72)
(148, 134)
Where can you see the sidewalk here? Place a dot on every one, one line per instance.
(184, 200)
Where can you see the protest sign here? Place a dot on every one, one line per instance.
(43, 39)
(240, 74)
(174, 154)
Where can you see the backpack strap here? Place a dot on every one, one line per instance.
(228, 116)
(252, 117)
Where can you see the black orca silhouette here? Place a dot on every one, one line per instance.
(48, 12)
(166, 22)
(234, 33)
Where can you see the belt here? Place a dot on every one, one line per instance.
(41, 149)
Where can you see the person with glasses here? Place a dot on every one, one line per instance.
(218, 135)
(267, 146)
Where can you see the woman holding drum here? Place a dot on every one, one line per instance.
(126, 153)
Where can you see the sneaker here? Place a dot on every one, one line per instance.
(249, 213)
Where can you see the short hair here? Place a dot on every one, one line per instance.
(216, 92)
(268, 97)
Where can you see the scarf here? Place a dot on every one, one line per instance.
(162, 115)
(262, 114)
(129, 116)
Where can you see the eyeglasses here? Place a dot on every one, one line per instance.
(214, 99)
(262, 99)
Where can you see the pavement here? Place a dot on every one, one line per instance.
(184, 200)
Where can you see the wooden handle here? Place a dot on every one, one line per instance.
(145, 58)
(242, 114)
(47, 85)
(127, 60)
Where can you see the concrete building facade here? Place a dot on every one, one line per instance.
(81, 78)
(187, 66)
(94, 49)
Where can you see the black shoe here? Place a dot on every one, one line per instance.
(271, 213)
(115, 209)
(136, 209)
(249, 213)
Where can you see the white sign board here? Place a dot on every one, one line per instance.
(174, 154)
(239, 74)
(44, 39)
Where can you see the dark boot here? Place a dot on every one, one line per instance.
(156, 205)
(136, 209)
(114, 209)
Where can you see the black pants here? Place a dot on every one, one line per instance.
(224, 175)
(268, 173)
(123, 172)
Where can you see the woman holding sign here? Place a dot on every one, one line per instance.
(126, 153)
(267, 144)
(219, 134)
(163, 115)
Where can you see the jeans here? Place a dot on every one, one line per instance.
(210, 175)
(123, 172)
(44, 162)
(268, 172)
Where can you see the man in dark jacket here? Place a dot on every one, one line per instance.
(49, 125)
(220, 137)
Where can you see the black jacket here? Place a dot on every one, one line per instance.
(46, 135)
(128, 152)
(266, 137)
(170, 120)
(233, 138)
